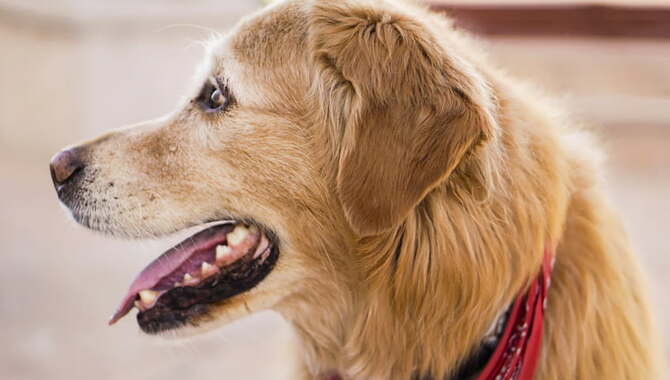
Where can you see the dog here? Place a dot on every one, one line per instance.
(361, 168)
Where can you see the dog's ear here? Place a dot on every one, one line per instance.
(403, 110)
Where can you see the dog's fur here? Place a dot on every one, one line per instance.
(413, 188)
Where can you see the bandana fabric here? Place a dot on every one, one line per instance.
(516, 356)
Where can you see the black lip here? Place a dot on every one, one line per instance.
(182, 306)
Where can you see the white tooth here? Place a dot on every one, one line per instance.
(148, 297)
(222, 251)
(139, 305)
(190, 280)
(262, 247)
(207, 270)
(266, 253)
(239, 233)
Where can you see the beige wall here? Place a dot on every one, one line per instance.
(610, 82)
(71, 69)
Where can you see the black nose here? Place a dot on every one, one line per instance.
(64, 165)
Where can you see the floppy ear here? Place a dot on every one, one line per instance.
(405, 112)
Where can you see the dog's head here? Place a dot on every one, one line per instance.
(313, 125)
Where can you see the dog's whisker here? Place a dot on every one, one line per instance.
(212, 32)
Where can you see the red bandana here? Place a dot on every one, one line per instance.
(518, 350)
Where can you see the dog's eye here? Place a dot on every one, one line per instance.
(213, 98)
(216, 100)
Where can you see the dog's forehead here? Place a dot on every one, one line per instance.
(263, 49)
(263, 58)
(268, 38)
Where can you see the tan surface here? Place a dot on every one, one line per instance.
(59, 283)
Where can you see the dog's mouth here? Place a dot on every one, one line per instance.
(207, 268)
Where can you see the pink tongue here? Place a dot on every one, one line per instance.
(168, 262)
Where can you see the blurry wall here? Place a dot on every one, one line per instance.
(72, 68)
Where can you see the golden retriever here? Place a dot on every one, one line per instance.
(361, 168)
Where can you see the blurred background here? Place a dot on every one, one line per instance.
(70, 69)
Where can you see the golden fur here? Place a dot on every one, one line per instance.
(413, 187)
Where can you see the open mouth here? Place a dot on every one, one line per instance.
(206, 269)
